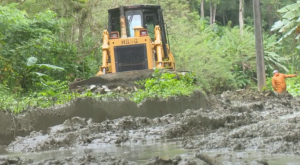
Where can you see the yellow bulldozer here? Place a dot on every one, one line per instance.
(134, 44)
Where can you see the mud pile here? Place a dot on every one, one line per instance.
(235, 121)
(78, 132)
(273, 124)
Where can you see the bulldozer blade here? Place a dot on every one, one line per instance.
(127, 78)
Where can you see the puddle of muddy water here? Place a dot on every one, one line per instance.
(167, 150)
(139, 153)
(230, 158)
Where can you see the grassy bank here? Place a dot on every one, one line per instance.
(160, 85)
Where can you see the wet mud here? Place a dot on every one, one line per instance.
(234, 121)
(99, 110)
(105, 159)
(85, 159)
(267, 122)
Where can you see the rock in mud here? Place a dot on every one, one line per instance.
(209, 160)
(14, 161)
(104, 89)
(175, 161)
(259, 162)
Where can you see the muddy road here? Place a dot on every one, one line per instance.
(234, 122)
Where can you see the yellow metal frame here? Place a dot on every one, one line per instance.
(153, 48)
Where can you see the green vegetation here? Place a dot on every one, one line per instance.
(164, 85)
(46, 44)
(161, 85)
(29, 46)
(293, 86)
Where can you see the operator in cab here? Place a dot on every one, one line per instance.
(278, 81)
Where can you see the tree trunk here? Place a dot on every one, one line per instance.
(210, 13)
(223, 19)
(241, 16)
(80, 36)
(213, 10)
(202, 8)
(260, 64)
(214, 13)
(270, 17)
(81, 22)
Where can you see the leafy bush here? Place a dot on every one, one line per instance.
(268, 86)
(4, 90)
(164, 85)
(24, 38)
(52, 88)
(293, 86)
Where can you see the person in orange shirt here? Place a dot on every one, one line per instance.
(278, 81)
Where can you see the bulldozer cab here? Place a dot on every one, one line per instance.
(146, 16)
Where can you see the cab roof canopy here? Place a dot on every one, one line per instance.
(137, 7)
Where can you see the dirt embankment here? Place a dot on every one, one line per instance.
(12, 125)
(240, 120)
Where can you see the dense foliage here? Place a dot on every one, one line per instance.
(29, 46)
(46, 44)
(163, 85)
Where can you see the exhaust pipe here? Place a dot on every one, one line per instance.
(123, 23)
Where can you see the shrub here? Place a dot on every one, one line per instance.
(164, 85)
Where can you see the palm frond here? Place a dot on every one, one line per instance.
(293, 14)
(288, 8)
(287, 34)
(298, 36)
(279, 24)
(287, 26)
